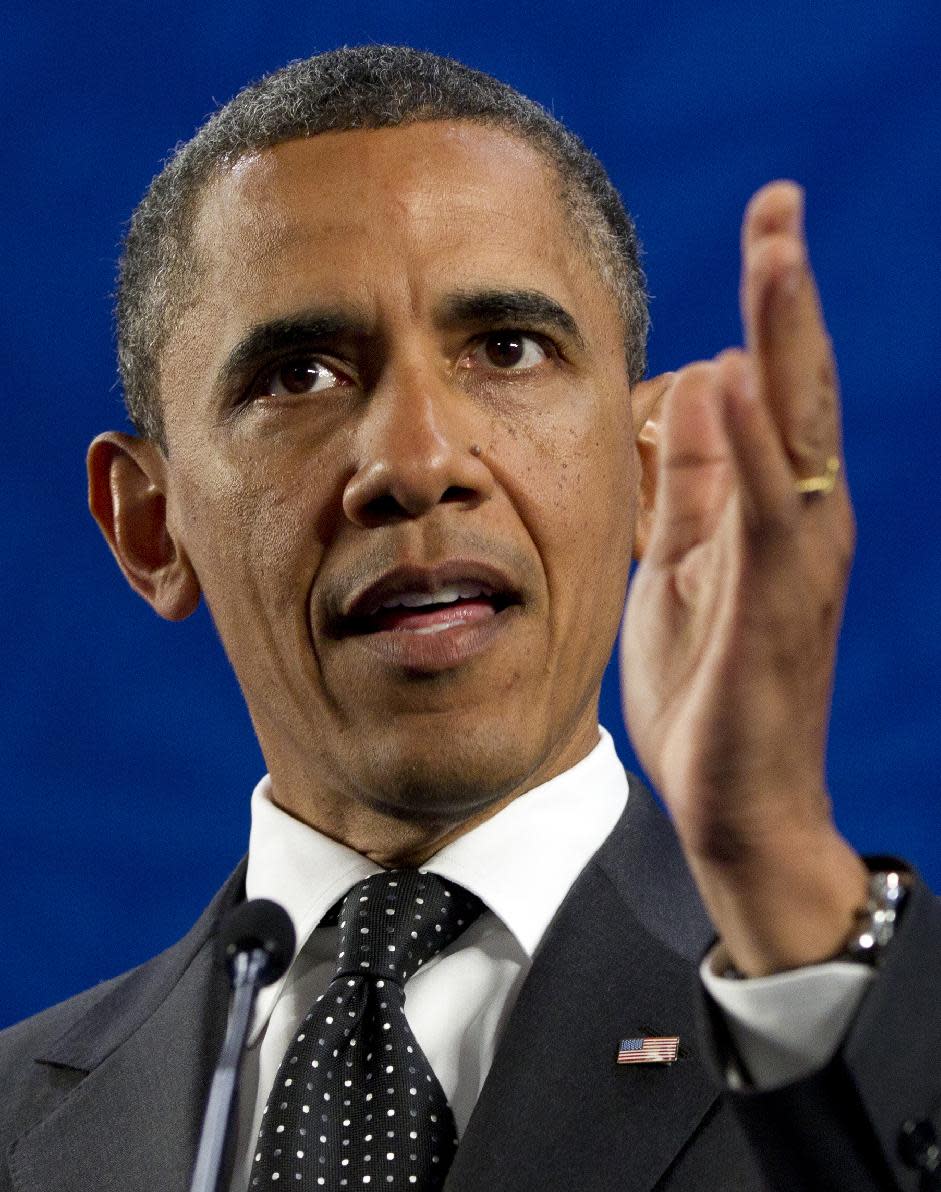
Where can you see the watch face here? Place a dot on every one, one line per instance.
(875, 925)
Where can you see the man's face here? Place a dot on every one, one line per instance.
(403, 380)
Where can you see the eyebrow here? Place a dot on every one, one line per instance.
(282, 335)
(486, 307)
(530, 307)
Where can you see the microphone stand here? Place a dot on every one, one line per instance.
(247, 969)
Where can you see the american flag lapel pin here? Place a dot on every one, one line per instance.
(649, 1049)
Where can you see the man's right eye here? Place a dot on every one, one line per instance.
(292, 378)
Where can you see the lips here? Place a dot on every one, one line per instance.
(427, 619)
(434, 612)
(428, 589)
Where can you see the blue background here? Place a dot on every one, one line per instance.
(127, 755)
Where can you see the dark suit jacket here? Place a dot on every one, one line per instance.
(106, 1091)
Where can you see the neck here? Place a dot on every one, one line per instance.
(397, 836)
(392, 841)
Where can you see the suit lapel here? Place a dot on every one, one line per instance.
(556, 1112)
(148, 1049)
(619, 960)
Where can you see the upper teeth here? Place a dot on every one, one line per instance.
(446, 595)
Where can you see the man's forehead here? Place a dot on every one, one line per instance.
(361, 180)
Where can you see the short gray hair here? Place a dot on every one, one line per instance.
(359, 87)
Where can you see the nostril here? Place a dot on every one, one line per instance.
(381, 510)
(459, 495)
(386, 508)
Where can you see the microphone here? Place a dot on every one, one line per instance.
(256, 942)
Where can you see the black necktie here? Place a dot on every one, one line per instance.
(355, 1103)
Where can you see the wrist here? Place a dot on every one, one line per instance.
(786, 906)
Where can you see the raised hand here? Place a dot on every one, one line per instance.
(732, 620)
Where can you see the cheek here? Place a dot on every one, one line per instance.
(582, 524)
(580, 481)
(251, 531)
(598, 523)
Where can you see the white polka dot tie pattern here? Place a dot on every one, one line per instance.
(355, 1103)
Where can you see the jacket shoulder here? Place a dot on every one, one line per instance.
(44, 1057)
(29, 1038)
(32, 1088)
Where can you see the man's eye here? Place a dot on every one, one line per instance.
(294, 377)
(508, 350)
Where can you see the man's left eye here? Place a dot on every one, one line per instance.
(508, 350)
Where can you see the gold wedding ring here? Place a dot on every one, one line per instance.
(824, 484)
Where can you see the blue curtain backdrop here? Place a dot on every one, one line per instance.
(127, 755)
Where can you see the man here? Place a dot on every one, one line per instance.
(381, 327)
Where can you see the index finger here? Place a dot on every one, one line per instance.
(785, 334)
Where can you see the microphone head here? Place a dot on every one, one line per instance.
(259, 924)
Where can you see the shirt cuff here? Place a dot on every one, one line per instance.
(788, 1025)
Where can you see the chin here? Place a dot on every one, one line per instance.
(444, 780)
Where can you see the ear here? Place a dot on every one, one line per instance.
(127, 487)
(647, 401)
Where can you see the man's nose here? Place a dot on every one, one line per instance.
(416, 450)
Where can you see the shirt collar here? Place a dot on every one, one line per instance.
(297, 866)
(521, 863)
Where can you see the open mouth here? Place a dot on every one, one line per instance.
(433, 612)
(422, 620)
(445, 600)
(448, 606)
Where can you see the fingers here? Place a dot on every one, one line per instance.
(784, 330)
(755, 423)
(763, 475)
(693, 472)
(771, 508)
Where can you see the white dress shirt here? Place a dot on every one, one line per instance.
(521, 863)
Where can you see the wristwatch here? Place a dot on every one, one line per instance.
(876, 922)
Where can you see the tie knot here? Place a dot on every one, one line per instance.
(394, 922)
